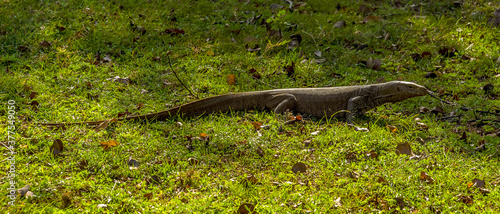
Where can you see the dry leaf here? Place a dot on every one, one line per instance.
(422, 125)
(66, 201)
(109, 144)
(464, 136)
(426, 177)
(44, 44)
(404, 148)
(33, 95)
(30, 194)
(231, 79)
(260, 151)
(299, 167)
(371, 18)
(203, 135)
(245, 209)
(24, 190)
(339, 24)
(57, 147)
(374, 64)
(392, 128)
(381, 179)
(465, 199)
(423, 110)
(400, 202)
(478, 183)
(256, 125)
(104, 124)
(296, 40)
(148, 195)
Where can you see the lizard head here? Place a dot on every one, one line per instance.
(396, 91)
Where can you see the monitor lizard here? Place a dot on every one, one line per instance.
(344, 102)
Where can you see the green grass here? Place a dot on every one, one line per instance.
(186, 173)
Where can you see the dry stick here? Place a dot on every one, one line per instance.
(171, 68)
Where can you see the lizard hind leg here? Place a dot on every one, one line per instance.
(357, 106)
(279, 103)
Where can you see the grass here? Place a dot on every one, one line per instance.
(181, 171)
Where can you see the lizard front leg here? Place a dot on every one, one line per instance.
(357, 106)
(279, 103)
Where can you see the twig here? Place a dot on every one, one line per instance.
(488, 112)
(486, 120)
(171, 68)
(450, 117)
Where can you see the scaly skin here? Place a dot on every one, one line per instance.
(342, 102)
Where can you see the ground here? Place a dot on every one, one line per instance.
(71, 61)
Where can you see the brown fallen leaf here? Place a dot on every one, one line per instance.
(478, 182)
(256, 125)
(400, 202)
(148, 195)
(464, 136)
(371, 18)
(255, 74)
(245, 208)
(33, 95)
(231, 79)
(290, 69)
(296, 40)
(299, 167)
(374, 64)
(57, 147)
(404, 148)
(422, 125)
(104, 124)
(260, 151)
(426, 178)
(66, 201)
(465, 199)
(393, 129)
(109, 144)
(437, 110)
(22, 48)
(44, 44)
